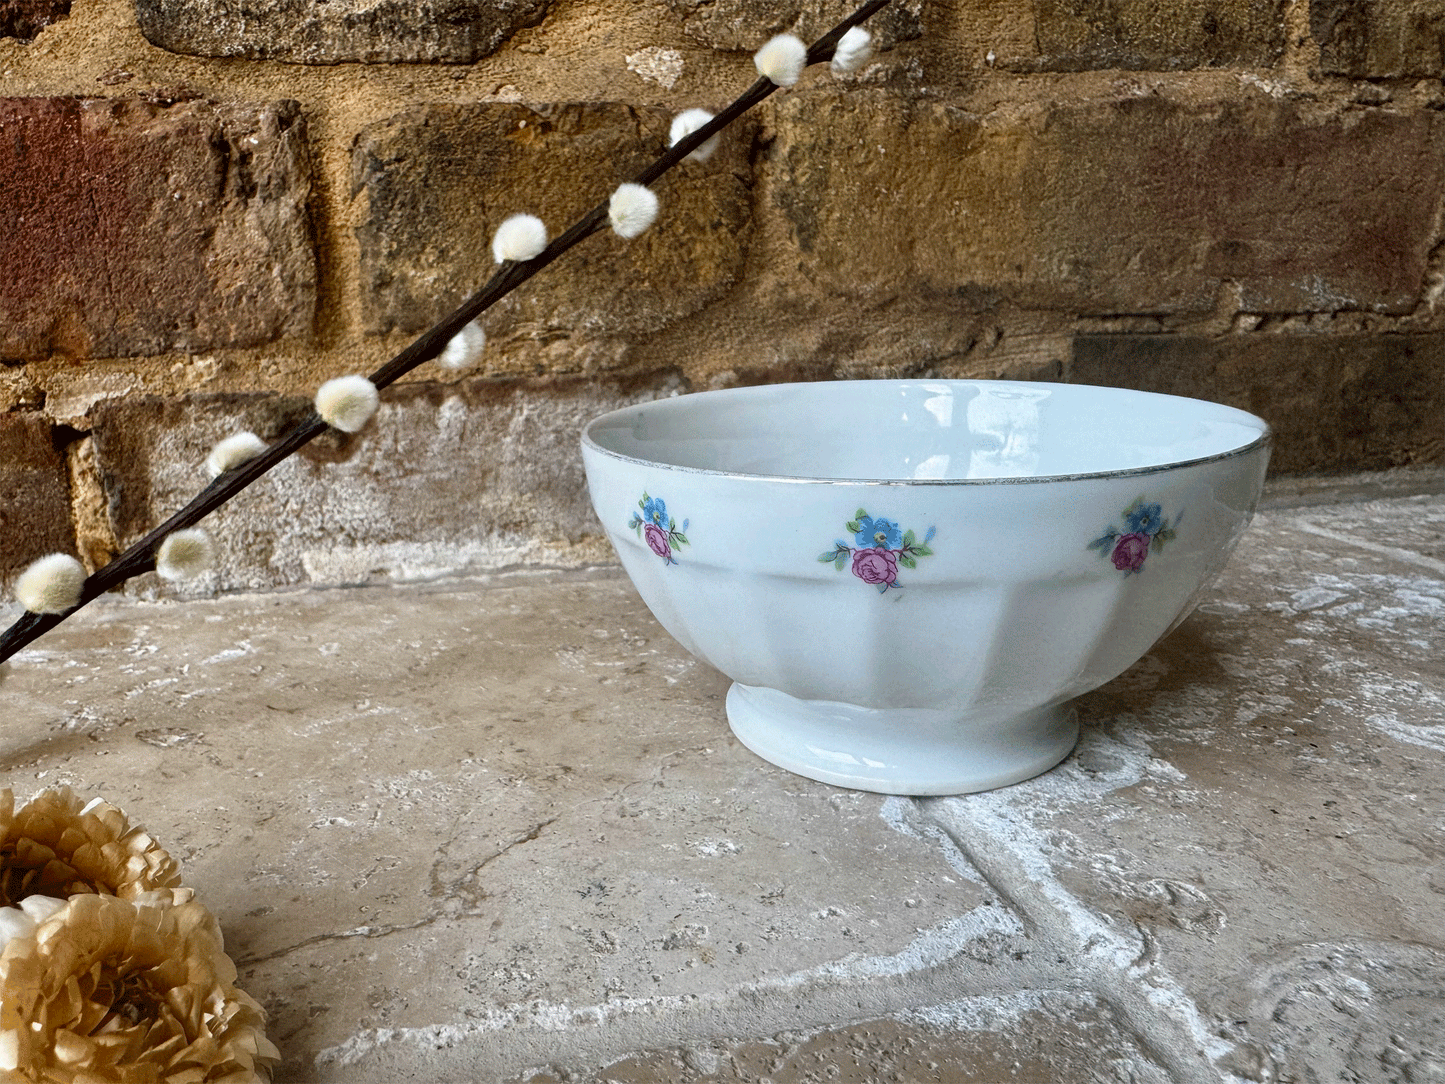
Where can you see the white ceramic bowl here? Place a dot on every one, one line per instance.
(908, 581)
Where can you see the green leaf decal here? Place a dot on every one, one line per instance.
(853, 526)
(907, 561)
(842, 557)
(922, 551)
(680, 538)
(909, 538)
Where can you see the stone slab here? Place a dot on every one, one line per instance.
(1139, 205)
(434, 820)
(337, 31)
(496, 829)
(1334, 402)
(1255, 809)
(438, 180)
(137, 228)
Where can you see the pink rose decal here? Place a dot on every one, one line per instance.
(879, 548)
(657, 540)
(1145, 530)
(657, 528)
(1130, 551)
(875, 566)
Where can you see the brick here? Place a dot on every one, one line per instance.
(137, 228)
(1078, 35)
(337, 31)
(34, 493)
(24, 19)
(481, 474)
(1135, 205)
(438, 181)
(1380, 39)
(743, 25)
(1335, 402)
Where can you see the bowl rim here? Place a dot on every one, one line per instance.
(1264, 440)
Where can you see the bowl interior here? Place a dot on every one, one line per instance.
(924, 430)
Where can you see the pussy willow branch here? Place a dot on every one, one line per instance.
(140, 556)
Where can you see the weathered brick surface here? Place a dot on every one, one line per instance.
(1137, 205)
(439, 180)
(24, 19)
(34, 493)
(746, 24)
(1075, 35)
(477, 475)
(1380, 38)
(1345, 402)
(337, 31)
(134, 228)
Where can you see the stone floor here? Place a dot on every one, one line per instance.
(498, 830)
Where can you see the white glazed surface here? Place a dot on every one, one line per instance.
(1006, 609)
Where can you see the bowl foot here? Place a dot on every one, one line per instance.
(913, 751)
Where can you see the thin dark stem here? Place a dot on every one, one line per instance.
(140, 556)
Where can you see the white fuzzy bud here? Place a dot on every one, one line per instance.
(40, 908)
(348, 402)
(464, 349)
(519, 238)
(230, 453)
(51, 585)
(632, 209)
(782, 59)
(23, 919)
(687, 122)
(854, 49)
(184, 554)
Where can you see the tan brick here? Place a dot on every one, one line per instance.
(337, 31)
(743, 25)
(1335, 402)
(136, 228)
(1377, 39)
(1076, 35)
(1134, 205)
(438, 181)
(34, 493)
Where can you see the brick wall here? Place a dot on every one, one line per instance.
(212, 205)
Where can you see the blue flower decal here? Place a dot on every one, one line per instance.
(877, 534)
(1145, 519)
(654, 511)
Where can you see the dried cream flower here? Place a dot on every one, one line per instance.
(51, 585)
(184, 554)
(782, 59)
(347, 403)
(853, 50)
(464, 348)
(131, 992)
(520, 237)
(22, 920)
(230, 453)
(687, 122)
(57, 846)
(632, 209)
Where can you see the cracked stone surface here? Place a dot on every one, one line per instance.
(496, 829)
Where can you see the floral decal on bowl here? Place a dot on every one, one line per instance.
(1145, 530)
(879, 548)
(655, 527)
